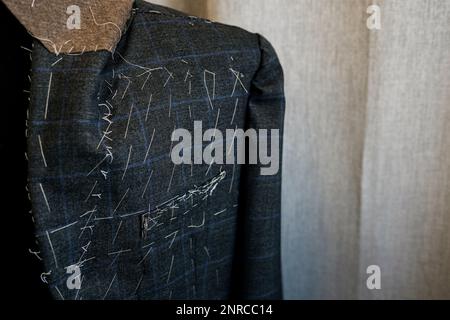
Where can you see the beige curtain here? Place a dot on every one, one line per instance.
(367, 144)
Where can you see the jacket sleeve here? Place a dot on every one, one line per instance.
(258, 266)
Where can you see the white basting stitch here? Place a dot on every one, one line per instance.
(90, 193)
(206, 87)
(232, 179)
(171, 178)
(42, 151)
(148, 107)
(106, 23)
(45, 197)
(54, 63)
(238, 80)
(150, 145)
(128, 123)
(174, 236)
(48, 95)
(170, 269)
(119, 252)
(139, 284)
(120, 202)
(234, 112)
(220, 212)
(146, 255)
(59, 292)
(146, 185)
(170, 77)
(109, 288)
(53, 251)
(128, 162)
(201, 225)
(207, 252)
(64, 227)
(117, 232)
(90, 211)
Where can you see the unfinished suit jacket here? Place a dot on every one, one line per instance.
(110, 207)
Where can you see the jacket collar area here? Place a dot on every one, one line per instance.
(73, 26)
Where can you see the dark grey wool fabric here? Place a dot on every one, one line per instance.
(105, 193)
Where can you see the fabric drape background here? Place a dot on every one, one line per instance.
(367, 142)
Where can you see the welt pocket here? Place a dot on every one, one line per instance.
(192, 197)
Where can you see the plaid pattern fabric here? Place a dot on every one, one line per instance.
(99, 146)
